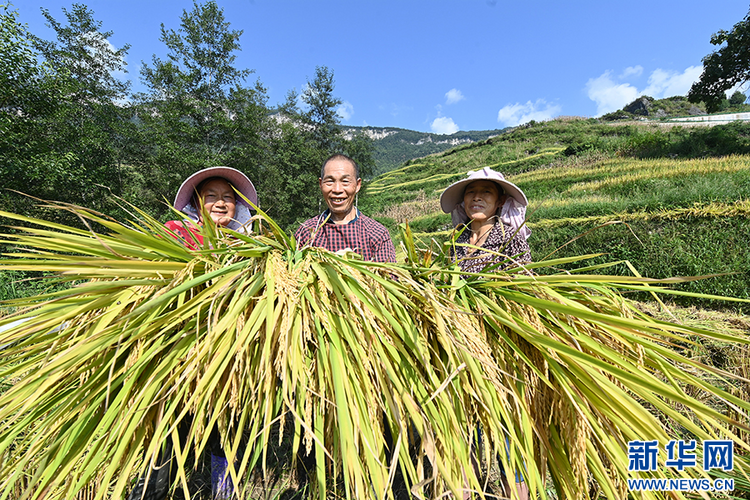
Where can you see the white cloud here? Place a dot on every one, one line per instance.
(632, 71)
(453, 96)
(444, 125)
(610, 95)
(663, 83)
(345, 111)
(516, 114)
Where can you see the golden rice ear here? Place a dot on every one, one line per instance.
(559, 372)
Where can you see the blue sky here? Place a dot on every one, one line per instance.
(442, 66)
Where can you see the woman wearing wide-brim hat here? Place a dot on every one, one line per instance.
(490, 212)
(213, 191)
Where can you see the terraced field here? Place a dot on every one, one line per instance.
(665, 216)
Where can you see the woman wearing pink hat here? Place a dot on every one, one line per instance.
(491, 213)
(213, 191)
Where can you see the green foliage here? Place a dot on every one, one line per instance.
(306, 137)
(70, 135)
(288, 182)
(62, 132)
(737, 98)
(552, 144)
(361, 148)
(320, 111)
(84, 53)
(201, 54)
(661, 247)
(719, 140)
(22, 80)
(17, 284)
(658, 109)
(29, 96)
(197, 113)
(724, 68)
(647, 143)
(431, 223)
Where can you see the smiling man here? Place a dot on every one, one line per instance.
(343, 226)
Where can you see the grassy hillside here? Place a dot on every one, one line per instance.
(671, 200)
(395, 146)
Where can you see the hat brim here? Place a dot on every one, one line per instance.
(454, 194)
(236, 178)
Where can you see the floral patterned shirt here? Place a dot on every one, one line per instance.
(502, 240)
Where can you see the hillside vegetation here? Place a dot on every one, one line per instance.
(394, 146)
(670, 107)
(670, 200)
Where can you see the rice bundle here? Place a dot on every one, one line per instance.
(556, 372)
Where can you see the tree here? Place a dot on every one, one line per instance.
(288, 179)
(28, 96)
(84, 54)
(197, 110)
(200, 59)
(737, 99)
(724, 68)
(20, 76)
(360, 147)
(91, 118)
(59, 117)
(305, 137)
(321, 111)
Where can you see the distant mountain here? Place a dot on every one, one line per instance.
(394, 146)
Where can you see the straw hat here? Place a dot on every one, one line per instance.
(236, 178)
(241, 183)
(454, 194)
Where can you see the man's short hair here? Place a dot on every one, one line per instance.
(339, 156)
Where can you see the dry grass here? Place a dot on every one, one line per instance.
(738, 209)
(618, 171)
(411, 210)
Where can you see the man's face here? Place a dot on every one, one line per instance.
(339, 187)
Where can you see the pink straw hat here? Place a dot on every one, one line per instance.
(236, 178)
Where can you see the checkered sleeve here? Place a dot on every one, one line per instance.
(381, 243)
(304, 231)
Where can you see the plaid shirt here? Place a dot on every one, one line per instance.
(363, 235)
